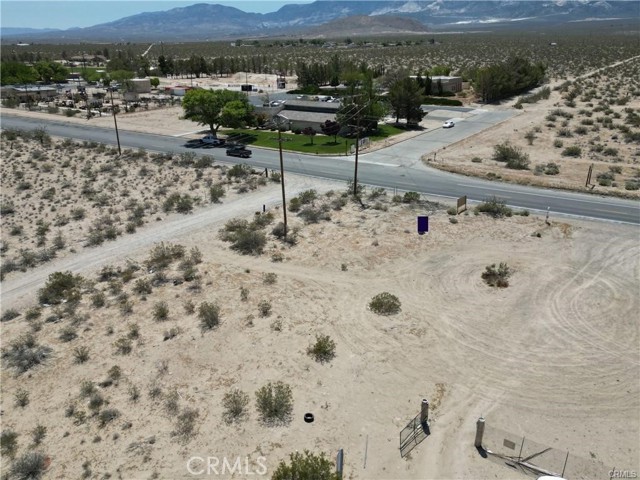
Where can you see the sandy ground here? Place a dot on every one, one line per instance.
(593, 140)
(553, 358)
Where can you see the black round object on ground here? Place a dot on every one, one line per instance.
(308, 417)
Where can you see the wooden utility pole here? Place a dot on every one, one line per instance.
(284, 201)
(115, 122)
(355, 174)
(589, 175)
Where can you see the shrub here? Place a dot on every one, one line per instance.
(96, 401)
(573, 151)
(87, 388)
(632, 185)
(275, 403)
(160, 311)
(38, 434)
(216, 192)
(30, 466)
(551, 169)
(497, 277)
(294, 204)
(60, 286)
(123, 346)
(495, 207)
(80, 354)
(323, 350)
(512, 156)
(8, 443)
(162, 254)
(209, 315)
(186, 424)
(98, 299)
(235, 405)
(108, 415)
(307, 465)
(239, 171)
(22, 398)
(411, 197)
(142, 286)
(10, 314)
(269, 278)
(278, 231)
(68, 333)
(385, 304)
(25, 353)
(308, 196)
(265, 308)
(249, 242)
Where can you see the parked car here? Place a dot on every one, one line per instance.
(448, 124)
(212, 140)
(239, 151)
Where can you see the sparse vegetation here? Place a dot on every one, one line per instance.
(235, 405)
(385, 303)
(209, 316)
(306, 465)
(275, 403)
(495, 207)
(323, 350)
(497, 276)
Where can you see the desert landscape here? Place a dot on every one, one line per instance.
(131, 379)
(157, 323)
(565, 128)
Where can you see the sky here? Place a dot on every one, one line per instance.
(86, 13)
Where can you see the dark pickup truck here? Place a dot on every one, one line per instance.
(239, 151)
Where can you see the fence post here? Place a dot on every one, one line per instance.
(340, 462)
(479, 432)
(424, 411)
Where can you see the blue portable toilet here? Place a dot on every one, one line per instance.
(423, 225)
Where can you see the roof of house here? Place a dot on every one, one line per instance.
(318, 117)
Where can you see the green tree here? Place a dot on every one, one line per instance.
(405, 98)
(155, 81)
(309, 132)
(216, 108)
(51, 72)
(307, 466)
(15, 73)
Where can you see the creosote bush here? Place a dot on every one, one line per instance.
(323, 350)
(30, 466)
(25, 353)
(209, 315)
(306, 466)
(385, 304)
(60, 286)
(275, 403)
(495, 207)
(235, 405)
(497, 277)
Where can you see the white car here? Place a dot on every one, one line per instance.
(448, 124)
(212, 140)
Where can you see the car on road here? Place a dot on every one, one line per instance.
(212, 140)
(239, 151)
(448, 124)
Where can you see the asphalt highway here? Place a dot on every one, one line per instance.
(396, 167)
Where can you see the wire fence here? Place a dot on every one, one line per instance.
(535, 459)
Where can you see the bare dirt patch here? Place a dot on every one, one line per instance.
(553, 356)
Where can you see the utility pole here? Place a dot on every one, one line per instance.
(115, 122)
(284, 202)
(355, 175)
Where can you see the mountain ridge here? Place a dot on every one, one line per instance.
(206, 21)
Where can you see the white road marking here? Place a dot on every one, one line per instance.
(549, 195)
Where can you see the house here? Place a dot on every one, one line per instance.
(449, 84)
(300, 114)
(31, 93)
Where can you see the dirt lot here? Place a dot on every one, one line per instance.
(554, 357)
(582, 113)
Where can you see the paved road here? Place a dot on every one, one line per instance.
(398, 167)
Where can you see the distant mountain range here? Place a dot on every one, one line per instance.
(214, 22)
